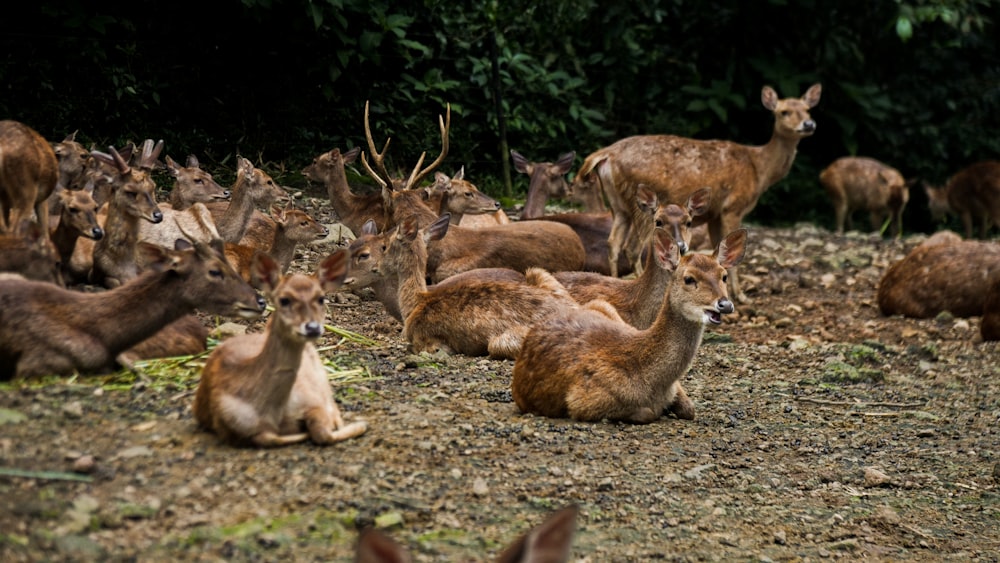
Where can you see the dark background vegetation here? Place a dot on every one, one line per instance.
(912, 82)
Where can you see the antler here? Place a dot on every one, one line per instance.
(383, 178)
(416, 178)
(150, 153)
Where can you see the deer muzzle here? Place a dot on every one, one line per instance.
(312, 329)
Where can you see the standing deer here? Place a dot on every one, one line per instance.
(548, 542)
(271, 389)
(29, 172)
(588, 365)
(972, 193)
(46, 329)
(675, 167)
(192, 184)
(855, 182)
(352, 209)
(474, 318)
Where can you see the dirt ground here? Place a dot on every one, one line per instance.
(823, 431)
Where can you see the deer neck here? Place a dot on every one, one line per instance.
(64, 239)
(349, 207)
(282, 248)
(773, 160)
(412, 283)
(233, 224)
(277, 364)
(650, 291)
(534, 204)
(121, 233)
(668, 347)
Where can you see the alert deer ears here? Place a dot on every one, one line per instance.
(549, 542)
(172, 167)
(265, 273)
(437, 229)
(460, 175)
(769, 98)
(698, 202)
(369, 228)
(811, 97)
(521, 164)
(565, 162)
(732, 248)
(157, 258)
(666, 251)
(333, 270)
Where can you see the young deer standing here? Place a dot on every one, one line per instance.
(292, 227)
(46, 329)
(588, 365)
(548, 542)
(29, 172)
(675, 167)
(972, 193)
(855, 182)
(271, 389)
(475, 317)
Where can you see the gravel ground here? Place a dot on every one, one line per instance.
(823, 430)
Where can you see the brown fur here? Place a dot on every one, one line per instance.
(73, 159)
(972, 193)
(252, 189)
(941, 274)
(46, 329)
(185, 336)
(475, 318)
(462, 198)
(29, 172)
(864, 183)
(192, 185)
(271, 389)
(548, 180)
(675, 167)
(352, 209)
(28, 253)
(292, 227)
(989, 329)
(587, 365)
(549, 542)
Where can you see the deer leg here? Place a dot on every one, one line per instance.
(271, 439)
(681, 406)
(967, 223)
(840, 212)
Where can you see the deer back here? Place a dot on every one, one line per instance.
(29, 172)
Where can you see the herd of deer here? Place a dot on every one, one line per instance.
(546, 290)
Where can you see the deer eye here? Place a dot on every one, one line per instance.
(690, 280)
(785, 113)
(132, 195)
(725, 278)
(199, 181)
(321, 300)
(215, 273)
(284, 302)
(73, 210)
(364, 256)
(659, 222)
(689, 223)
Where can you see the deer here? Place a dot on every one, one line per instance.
(972, 193)
(547, 181)
(27, 252)
(192, 184)
(45, 329)
(185, 336)
(463, 200)
(292, 227)
(352, 209)
(73, 158)
(675, 167)
(548, 542)
(29, 172)
(989, 328)
(589, 365)
(475, 317)
(253, 188)
(857, 182)
(271, 389)
(926, 282)
(77, 218)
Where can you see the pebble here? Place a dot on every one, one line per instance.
(84, 464)
(780, 537)
(875, 478)
(480, 488)
(73, 409)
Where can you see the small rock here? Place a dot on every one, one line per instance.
(961, 324)
(606, 484)
(84, 464)
(73, 409)
(135, 451)
(925, 433)
(480, 488)
(695, 472)
(780, 537)
(225, 330)
(783, 322)
(875, 478)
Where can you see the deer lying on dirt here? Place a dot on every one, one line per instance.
(252, 189)
(29, 253)
(549, 542)
(77, 218)
(989, 328)
(972, 193)
(271, 389)
(29, 172)
(352, 209)
(462, 199)
(944, 273)
(864, 183)
(675, 167)
(292, 227)
(192, 185)
(588, 365)
(46, 329)
(474, 318)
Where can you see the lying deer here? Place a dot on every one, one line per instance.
(547, 180)
(271, 389)
(77, 218)
(252, 189)
(185, 336)
(864, 183)
(29, 172)
(549, 542)
(675, 167)
(292, 227)
(944, 273)
(192, 184)
(588, 365)
(474, 317)
(352, 209)
(989, 328)
(462, 199)
(972, 193)
(46, 329)
(26, 251)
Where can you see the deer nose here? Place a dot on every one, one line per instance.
(808, 126)
(725, 306)
(497, 205)
(682, 247)
(157, 216)
(313, 329)
(261, 303)
(226, 194)
(97, 233)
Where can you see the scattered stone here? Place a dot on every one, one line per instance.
(875, 478)
(84, 464)
(73, 409)
(605, 484)
(135, 451)
(8, 416)
(695, 472)
(780, 537)
(227, 329)
(480, 488)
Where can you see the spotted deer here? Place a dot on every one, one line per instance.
(856, 182)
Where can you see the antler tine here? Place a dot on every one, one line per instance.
(123, 166)
(378, 157)
(445, 126)
(368, 168)
(414, 178)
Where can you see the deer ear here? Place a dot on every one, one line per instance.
(548, 542)
(521, 164)
(172, 167)
(154, 257)
(698, 202)
(460, 175)
(376, 547)
(369, 228)
(666, 251)
(565, 162)
(769, 98)
(333, 270)
(646, 198)
(438, 228)
(265, 273)
(811, 97)
(732, 248)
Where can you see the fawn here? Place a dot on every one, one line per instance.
(271, 389)
(589, 365)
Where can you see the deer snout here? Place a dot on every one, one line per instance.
(312, 329)
(157, 216)
(496, 204)
(682, 247)
(225, 195)
(97, 233)
(725, 306)
(261, 303)
(808, 127)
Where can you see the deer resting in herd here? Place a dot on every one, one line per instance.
(29, 253)
(474, 318)
(972, 193)
(271, 389)
(586, 364)
(46, 329)
(548, 542)
(352, 209)
(855, 182)
(77, 218)
(29, 172)
(944, 273)
(292, 227)
(252, 189)
(675, 167)
(192, 184)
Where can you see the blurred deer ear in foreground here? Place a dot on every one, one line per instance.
(549, 542)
